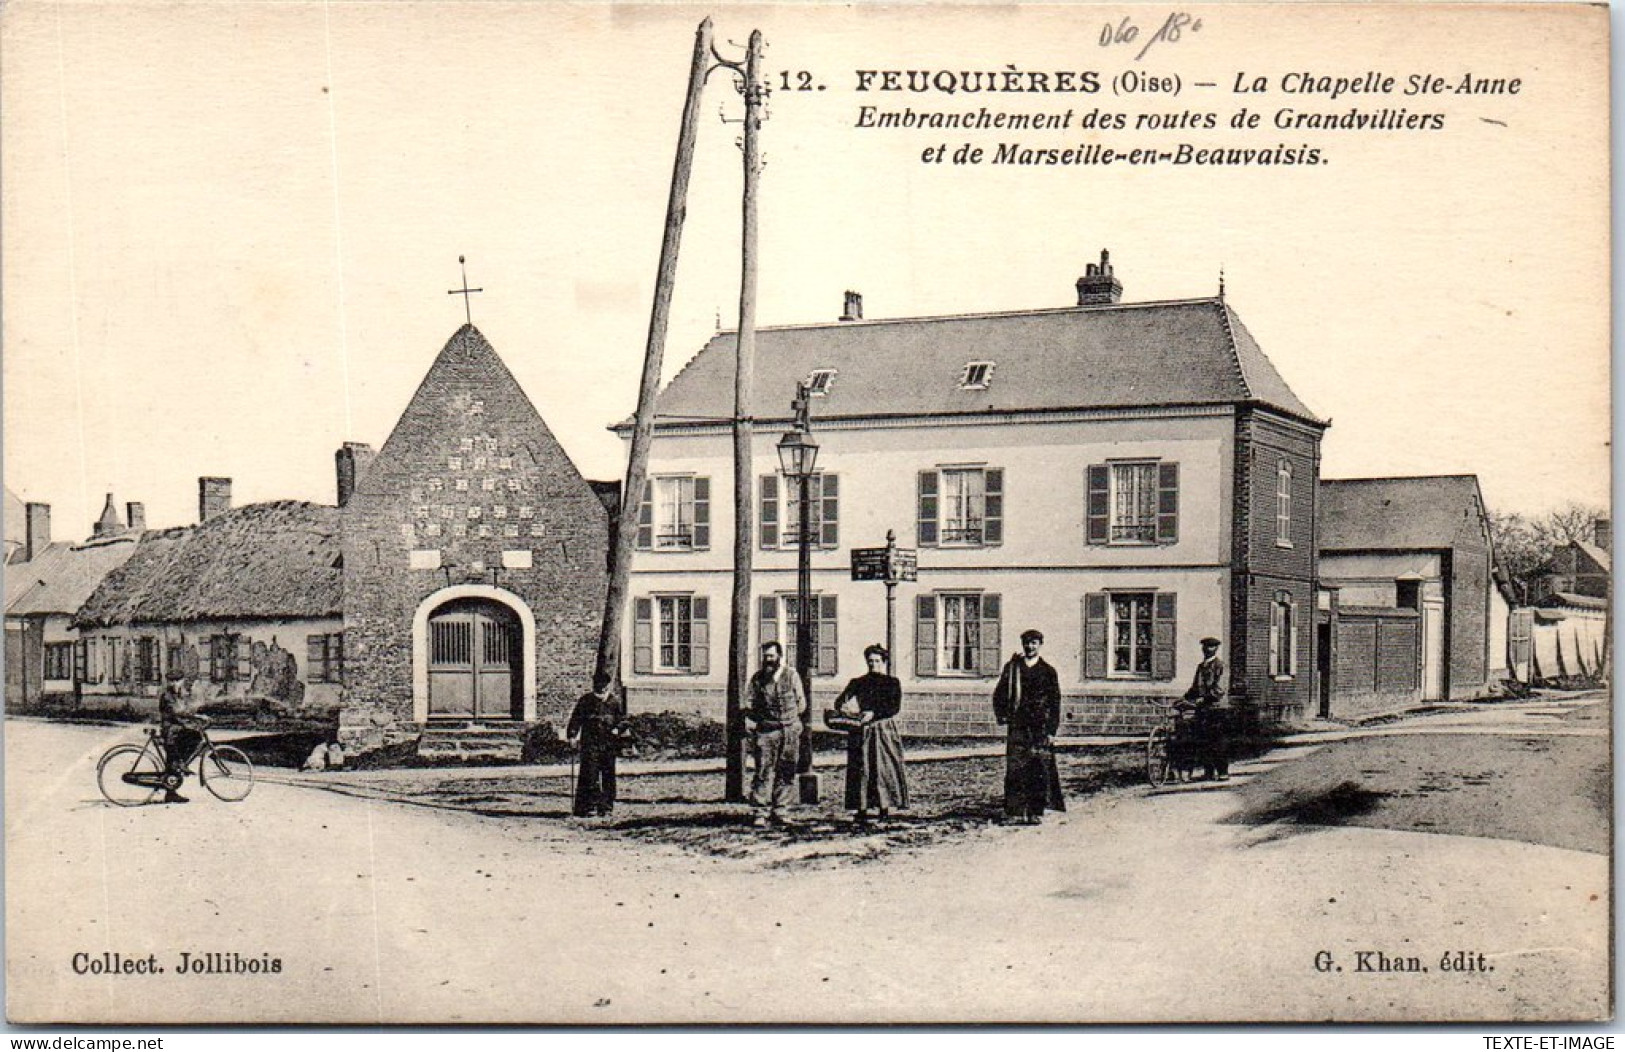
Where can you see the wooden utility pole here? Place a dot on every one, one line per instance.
(637, 467)
(754, 92)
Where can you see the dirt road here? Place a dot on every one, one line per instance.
(1134, 906)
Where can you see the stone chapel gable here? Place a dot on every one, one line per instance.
(474, 562)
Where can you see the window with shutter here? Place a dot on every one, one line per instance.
(701, 661)
(81, 660)
(989, 662)
(770, 511)
(702, 512)
(828, 650)
(1131, 635)
(926, 533)
(674, 633)
(643, 634)
(1167, 503)
(316, 659)
(335, 658)
(646, 519)
(767, 621)
(1096, 611)
(1164, 636)
(925, 635)
(829, 496)
(993, 506)
(1097, 505)
(676, 511)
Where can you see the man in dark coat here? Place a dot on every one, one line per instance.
(1028, 701)
(596, 716)
(1206, 699)
(182, 731)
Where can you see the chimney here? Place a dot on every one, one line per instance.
(351, 460)
(135, 514)
(108, 524)
(213, 497)
(1602, 533)
(854, 307)
(1097, 287)
(37, 531)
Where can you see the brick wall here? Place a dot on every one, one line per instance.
(1469, 598)
(470, 472)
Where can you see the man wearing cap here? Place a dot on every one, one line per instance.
(1028, 701)
(1207, 700)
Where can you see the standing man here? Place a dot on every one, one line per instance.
(1207, 698)
(774, 720)
(1028, 700)
(594, 720)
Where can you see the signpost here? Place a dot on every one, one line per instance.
(889, 564)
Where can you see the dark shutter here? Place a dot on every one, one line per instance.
(987, 660)
(827, 649)
(928, 512)
(993, 506)
(1164, 638)
(829, 535)
(701, 637)
(643, 634)
(702, 512)
(245, 657)
(1167, 503)
(1096, 606)
(925, 632)
(646, 519)
(767, 623)
(335, 658)
(316, 659)
(80, 660)
(770, 511)
(1098, 506)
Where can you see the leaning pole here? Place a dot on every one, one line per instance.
(637, 466)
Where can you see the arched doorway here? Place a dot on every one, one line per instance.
(475, 647)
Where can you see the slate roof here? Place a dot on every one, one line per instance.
(63, 576)
(1428, 511)
(1181, 352)
(1603, 558)
(280, 559)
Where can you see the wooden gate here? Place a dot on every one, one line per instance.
(474, 661)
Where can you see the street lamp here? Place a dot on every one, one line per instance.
(798, 456)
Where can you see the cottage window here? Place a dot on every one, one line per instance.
(671, 634)
(1283, 503)
(675, 514)
(957, 634)
(961, 507)
(222, 659)
(1283, 663)
(1132, 502)
(324, 658)
(778, 620)
(146, 660)
(1129, 635)
(781, 511)
(59, 661)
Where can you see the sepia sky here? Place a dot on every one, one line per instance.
(229, 228)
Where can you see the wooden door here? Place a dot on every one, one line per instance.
(474, 659)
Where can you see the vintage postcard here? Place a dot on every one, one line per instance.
(572, 513)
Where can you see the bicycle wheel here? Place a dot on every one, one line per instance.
(130, 775)
(1158, 762)
(226, 772)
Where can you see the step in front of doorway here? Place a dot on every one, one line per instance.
(466, 742)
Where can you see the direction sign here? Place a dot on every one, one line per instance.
(873, 564)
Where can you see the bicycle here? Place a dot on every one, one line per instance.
(131, 775)
(1170, 748)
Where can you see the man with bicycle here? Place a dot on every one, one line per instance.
(1206, 701)
(182, 731)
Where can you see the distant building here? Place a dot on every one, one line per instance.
(1126, 477)
(46, 583)
(1579, 568)
(1414, 607)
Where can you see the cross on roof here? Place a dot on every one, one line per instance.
(464, 291)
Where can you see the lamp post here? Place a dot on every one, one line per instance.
(798, 457)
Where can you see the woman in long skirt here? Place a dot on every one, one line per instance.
(874, 750)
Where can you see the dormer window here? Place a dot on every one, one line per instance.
(820, 381)
(977, 376)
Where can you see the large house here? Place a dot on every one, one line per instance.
(1126, 477)
(1414, 606)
